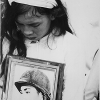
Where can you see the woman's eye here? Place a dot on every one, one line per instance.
(34, 25)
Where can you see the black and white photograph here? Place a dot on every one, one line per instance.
(55, 31)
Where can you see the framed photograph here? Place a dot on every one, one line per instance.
(24, 74)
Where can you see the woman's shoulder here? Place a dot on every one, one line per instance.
(72, 40)
(74, 49)
(5, 41)
(5, 44)
(73, 46)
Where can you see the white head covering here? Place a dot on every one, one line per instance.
(39, 3)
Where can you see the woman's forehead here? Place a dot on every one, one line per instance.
(29, 13)
(32, 12)
(28, 18)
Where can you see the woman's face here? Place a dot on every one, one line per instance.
(30, 93)
(34, 27)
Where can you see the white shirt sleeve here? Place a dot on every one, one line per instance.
(74, 71)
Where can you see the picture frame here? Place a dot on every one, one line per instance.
(16, 66)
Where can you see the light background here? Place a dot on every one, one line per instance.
(84, 17)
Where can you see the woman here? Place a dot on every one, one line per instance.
(39, 29)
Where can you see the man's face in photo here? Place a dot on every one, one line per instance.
(30, 93)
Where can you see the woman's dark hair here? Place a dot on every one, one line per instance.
(16, 38)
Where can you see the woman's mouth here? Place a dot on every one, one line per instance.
(33, 36)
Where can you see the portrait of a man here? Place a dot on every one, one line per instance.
(34, 85)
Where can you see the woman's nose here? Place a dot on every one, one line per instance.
(27, 30)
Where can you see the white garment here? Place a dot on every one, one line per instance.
(93, 83)
(64, 49)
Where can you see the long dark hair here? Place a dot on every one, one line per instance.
(9, 28)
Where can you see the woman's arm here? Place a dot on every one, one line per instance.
(74, 71)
